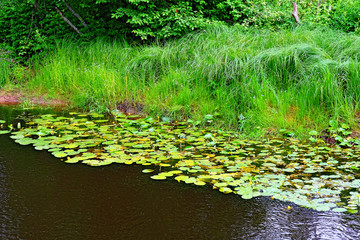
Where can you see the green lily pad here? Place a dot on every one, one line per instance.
(339, 210)
(225, 190)
(190, 180)
(200, 183)
(322, 208)
(158, 177)
(59, 154)
(73, 160)
(181, 178)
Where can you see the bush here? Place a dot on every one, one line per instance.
(27, 26)
(347, 16)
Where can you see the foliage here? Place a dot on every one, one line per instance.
(162, 19)
(26, 26)
(347, 16)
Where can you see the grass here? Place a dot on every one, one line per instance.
(4, 72)
(294, 79)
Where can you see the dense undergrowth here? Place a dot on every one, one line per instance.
(256, 81)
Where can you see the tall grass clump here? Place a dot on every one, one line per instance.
(294, 79)
(4, 72)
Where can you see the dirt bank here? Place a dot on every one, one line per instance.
(15, 97)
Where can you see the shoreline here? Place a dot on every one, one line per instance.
(17, 97)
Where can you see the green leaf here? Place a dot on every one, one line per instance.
(158, 177)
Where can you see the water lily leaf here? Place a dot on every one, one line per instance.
(215, 170)
(352, 211)
(225, 190)
(39, 148)
(190, 180)
(89, 155)
(54, 150)
(199, 183)
(165, 164)
(4, 132)
(72, 152)
(73, 160)
(72, 145)
(24, 141)
(147, 170)
(247, 196)
(91, 162)
(59, 154)
(220, 184)
(17, 135)
(339, 210)
(181, 178)
(158, 177)
(322, 208)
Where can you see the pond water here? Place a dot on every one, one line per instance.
(44, 198)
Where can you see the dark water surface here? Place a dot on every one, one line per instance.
(44, 198)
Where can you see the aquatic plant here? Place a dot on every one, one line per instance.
(317, 176)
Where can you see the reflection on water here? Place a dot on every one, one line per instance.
(43, 198)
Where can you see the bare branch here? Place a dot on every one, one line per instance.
(36, 5)
(68, 22)
(32, 21)
(295, 12)
(7, 59)
(318, 8)
(76, 14)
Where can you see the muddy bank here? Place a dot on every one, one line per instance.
(17, 97)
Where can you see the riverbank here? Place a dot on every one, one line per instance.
(255, 82)
(20, 97)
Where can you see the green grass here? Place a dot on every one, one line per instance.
(4, 72)
(295, 79)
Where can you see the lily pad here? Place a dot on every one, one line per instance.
(200, 183)
(158, 177)
(59, 154)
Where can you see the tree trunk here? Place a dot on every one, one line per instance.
(295, 12)
(68, 21)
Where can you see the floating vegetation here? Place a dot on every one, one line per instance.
(313, 176)
(2, 122)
